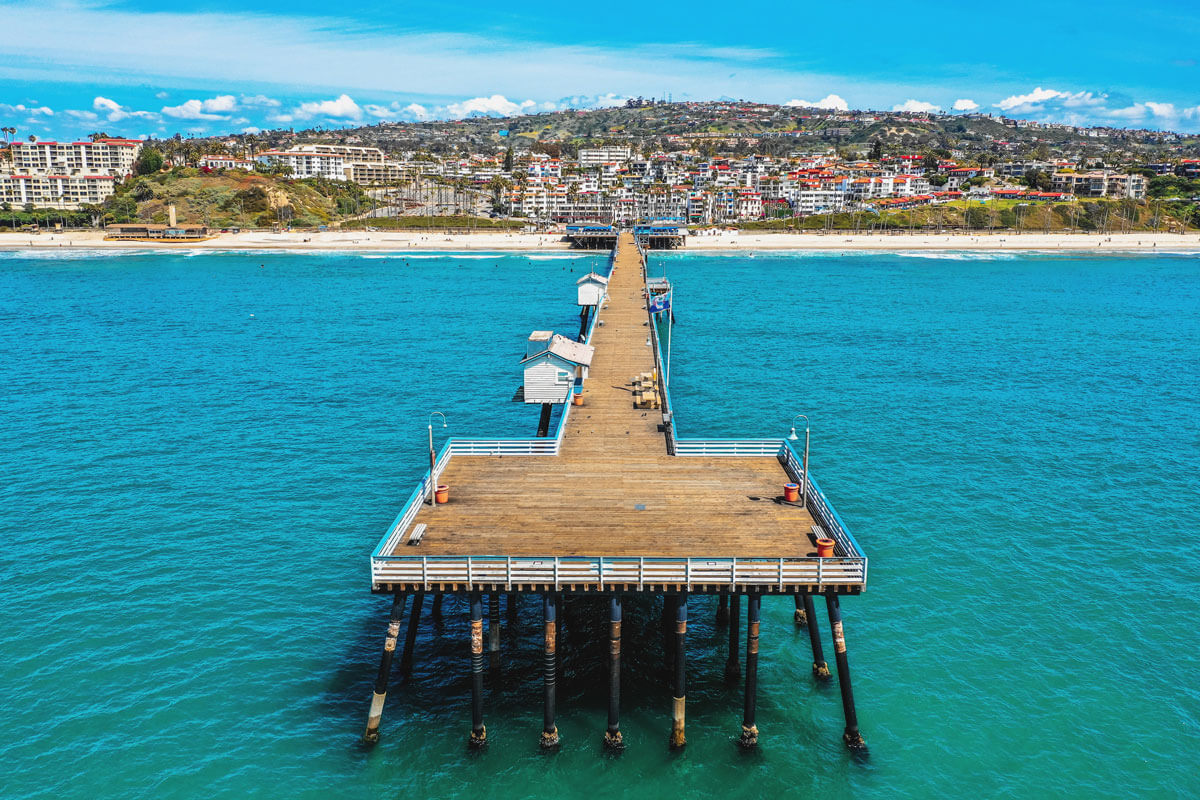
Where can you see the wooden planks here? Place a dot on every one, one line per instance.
(613, 490)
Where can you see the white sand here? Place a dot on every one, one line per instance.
(492, 241)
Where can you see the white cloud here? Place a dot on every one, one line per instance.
(162, 95)
(1019, 102)
(918, 107)
(831, 102)
(32, 110)
(495, 106)
(251, 129)
(281, 118)
(259, 101)
(1162, 110)
(965, 105)
(415, 111)
(342, 108)
(115, 112)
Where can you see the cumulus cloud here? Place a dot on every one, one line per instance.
(31, 110)
(211, 108)
(259, 101)
(965, 105)
(115, 112)
(495, 106)
(415, 111)
(1040, 98)
(830, 102)
(251, 130)
(1091, 108)
(343, 107)
(918, 107)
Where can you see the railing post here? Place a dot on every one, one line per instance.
(600, 567)
(508, 573)
(425, 571)
(781, 574)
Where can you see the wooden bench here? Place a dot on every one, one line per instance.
(417, 533)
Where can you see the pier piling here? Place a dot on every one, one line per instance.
(668, 625)
(511, 608)
(749, 727)
(612, 736)
(436, 611)
(819, 668)
(677, 736)
(801, 616)
(851, 737)
(723, 609)
(549, 729)
(478, 731)
(375, 716)
(410, 636)
(494, 631)
(733, 669)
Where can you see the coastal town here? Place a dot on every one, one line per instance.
(538, 173)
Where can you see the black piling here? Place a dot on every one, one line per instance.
(819, 667)
(410, 637)
(375, 716)
(549, 729)
(678, 739)
(851, 737)
(612, 736)
(723, 609)
(733, 667)
(801, 616)
(749, 727)
(544, 422)
(436, 611)
(668, 626)
(494, 631)
(478, 731)
(511, 608)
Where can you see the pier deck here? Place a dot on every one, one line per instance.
(614, 506)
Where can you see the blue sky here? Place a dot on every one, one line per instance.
(71, 67)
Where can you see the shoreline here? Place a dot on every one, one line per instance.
(400, 242)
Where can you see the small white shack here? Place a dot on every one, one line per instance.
(552, 363)
(592, 288)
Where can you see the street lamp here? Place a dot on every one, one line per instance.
(433, 458)
(793, 437)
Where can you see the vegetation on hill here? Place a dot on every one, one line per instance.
(233, 198)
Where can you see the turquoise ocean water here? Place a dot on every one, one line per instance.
(198, 453)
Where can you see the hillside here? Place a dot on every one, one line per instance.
(233, 198)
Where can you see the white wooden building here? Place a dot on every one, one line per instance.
(552, 363)
(592, 288)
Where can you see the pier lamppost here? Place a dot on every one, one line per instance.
(793, 437)
(433, 459)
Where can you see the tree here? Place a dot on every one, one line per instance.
(877, 150)
(508, 160)
(149, 162)
(1036, 179)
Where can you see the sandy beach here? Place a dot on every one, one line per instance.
(492, 241)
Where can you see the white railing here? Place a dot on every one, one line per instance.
(731, 448)
(820, 507)
(765, 573)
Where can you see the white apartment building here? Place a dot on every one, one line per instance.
(1100, 184)
(366, 155)
(64, 192)
(227, 162)
(101, 157)
(65, 175)
(595, 156)
(307, 164)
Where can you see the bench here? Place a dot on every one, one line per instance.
(415, 536)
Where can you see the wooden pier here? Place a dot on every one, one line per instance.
(615, 502)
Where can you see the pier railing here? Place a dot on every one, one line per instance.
(598, 572)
